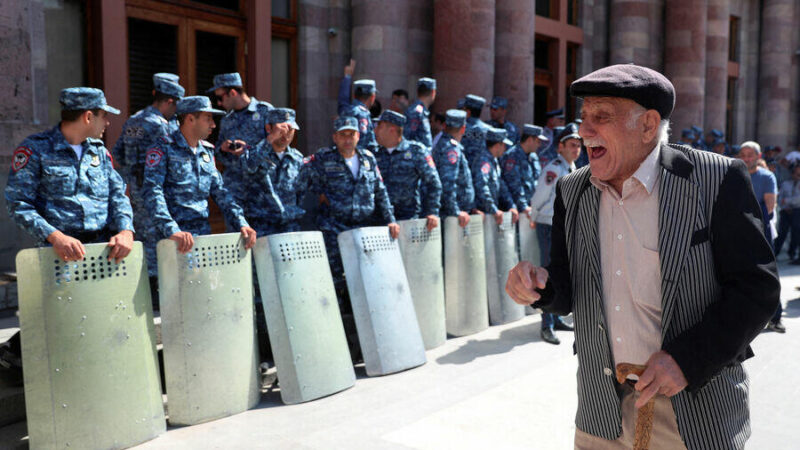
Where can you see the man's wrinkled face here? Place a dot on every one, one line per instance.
(98, 123)
(612, 137)
(749, 156)
(346, 140)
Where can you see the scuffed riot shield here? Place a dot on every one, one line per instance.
(207, 328)
(466, 307)
(91, 371)
(528, 248)
(303, 319)
(422, 258)
(501, 256)
(382, 307)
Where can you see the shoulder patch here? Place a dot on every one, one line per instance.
(21, 157)
(429, 159)
(486, 168)
(308, 159)
(153, 157)
(419, 108)
(363, 125)
(509, 165)
(550, 177)
(452, 156)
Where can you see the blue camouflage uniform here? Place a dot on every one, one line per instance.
(177, 183)
(350, 202)
(50, 188)
(273, 203)
(357, 109)
(418, 127)
(171, 77)
(511, 129)
(409, 174)
(474, 140)
(246, 125)
(491, 191)
(549, 152)
(139, 133)
(454, 174)
(520, 171)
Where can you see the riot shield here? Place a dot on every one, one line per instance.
(382, 307)
(501, 256)
(422, 257)
(466, 307)
(303, 318)
(89, 349)
(528, 248)
(208, 330)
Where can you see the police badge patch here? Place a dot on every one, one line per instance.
(550, 177)
(486, 168)
(153, 157)
(206, 158)
(452, 156)
(509, 164)
(21, 157)
(95, 161)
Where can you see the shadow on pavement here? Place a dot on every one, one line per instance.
(792, 308)
(522, 334)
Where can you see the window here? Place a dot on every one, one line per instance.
(152, 48)
(65, 28)
(730, 123)
(733, 42)
(284, 53)
(547, 8)
(733, 77)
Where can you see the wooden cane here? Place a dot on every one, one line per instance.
(644, 418)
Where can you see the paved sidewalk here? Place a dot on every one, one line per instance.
(499, 389)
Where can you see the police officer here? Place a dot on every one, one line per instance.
(347, 181)
(520, 166)
(552, 129)
(242, 126)
(458, 194)
(491, 193)
(407, 167)
(698, 137)
(687, 137)
(712, 137)
(172, 78)
(497, 112)
(139, 133)
(273, 204)
(418, 127)
(364, 93)
(542, 204)
(62, 187)
(474, 140)
(179, 176)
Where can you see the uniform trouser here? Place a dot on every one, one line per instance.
(543, 232)
(665, 434)
(788, 226)
(340, 285)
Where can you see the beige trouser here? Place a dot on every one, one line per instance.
(665, 429)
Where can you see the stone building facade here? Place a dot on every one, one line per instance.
(735, 63)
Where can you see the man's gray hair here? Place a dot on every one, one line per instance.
(752, 144)
(663, 127)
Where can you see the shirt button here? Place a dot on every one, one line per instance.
(619, 339)
(620, 203)
(607, 372)
(619, 272)
(619, 236)
(617, 308)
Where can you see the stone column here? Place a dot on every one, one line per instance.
(463, 49)
(636, 27)
(380, 45)
(685, 60)
(777, 51)
(420, 45)
(717, 39)
(513, 58)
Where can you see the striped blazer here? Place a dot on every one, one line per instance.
(719, 288)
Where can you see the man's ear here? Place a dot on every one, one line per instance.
(651, 119)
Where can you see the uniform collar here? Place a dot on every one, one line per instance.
(253, 104)
(564, 161)
(60, 142)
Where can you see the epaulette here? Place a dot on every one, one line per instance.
(94, 141)
(205, 143)
(556, 161)
(166, 139)
(163, 119)
(368, 153)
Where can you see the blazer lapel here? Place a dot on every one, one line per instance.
(586, 218)
(678, 202)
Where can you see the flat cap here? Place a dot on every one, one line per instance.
(168, 87)
(395, 118)
(282, 115)
(428, 83)
(345, 123)
(644, 86)
(362, 87)
(535, 131)
(455, 118)
(195, 103)
(84, 99)
(474, 101)
(224, 80)
(499, 102)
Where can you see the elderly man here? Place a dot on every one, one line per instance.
(659, 253)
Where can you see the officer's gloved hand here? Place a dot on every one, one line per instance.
(66, 247)
(433, 222)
